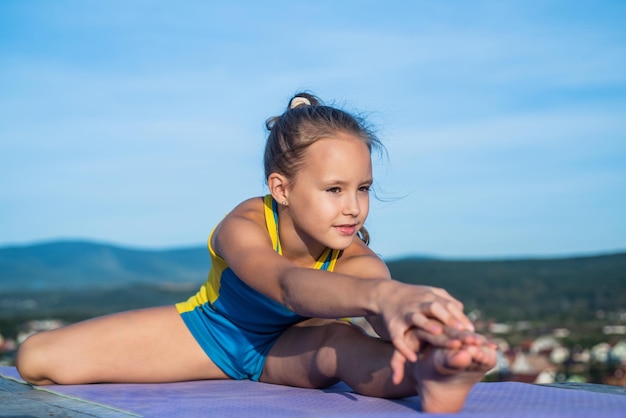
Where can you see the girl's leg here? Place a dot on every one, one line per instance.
(147, 345)
(318, 353)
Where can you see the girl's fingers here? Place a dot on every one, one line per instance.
(441, 340)
(418, 319)
(403, 349)
(398, 362)
(453, 310)
(463, 321)
(447, 313)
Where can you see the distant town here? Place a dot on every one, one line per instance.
(544, 358)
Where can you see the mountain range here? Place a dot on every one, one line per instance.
(78, 265)
(92, 278)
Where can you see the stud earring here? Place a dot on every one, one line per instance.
(284, 203)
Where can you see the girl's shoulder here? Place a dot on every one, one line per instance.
(242, 221)
(252, 208)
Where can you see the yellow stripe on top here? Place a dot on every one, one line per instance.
(215, 274)
(328, 257)
(271, 214)
(210, 290)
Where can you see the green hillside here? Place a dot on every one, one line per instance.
(81, 279)
(569, 288)
(83, 265)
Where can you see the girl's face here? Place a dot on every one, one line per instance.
(329, 196)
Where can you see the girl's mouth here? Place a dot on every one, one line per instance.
(346, 229)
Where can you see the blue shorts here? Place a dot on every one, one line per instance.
(237, 352)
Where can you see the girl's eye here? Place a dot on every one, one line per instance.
(365, 188)
(333, 190)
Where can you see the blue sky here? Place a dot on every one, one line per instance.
(141, 123)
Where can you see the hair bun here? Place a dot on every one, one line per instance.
(299, 101)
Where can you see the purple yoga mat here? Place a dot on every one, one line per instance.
(250, 399)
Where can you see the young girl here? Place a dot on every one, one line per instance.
(285, 267)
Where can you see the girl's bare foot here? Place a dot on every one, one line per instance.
(445, 376)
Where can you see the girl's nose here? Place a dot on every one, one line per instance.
(352, 206)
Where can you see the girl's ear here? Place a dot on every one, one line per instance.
(277, 184)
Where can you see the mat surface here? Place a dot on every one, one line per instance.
(250, 399)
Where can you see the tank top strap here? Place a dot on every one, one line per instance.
(327, 260)
(271, 221)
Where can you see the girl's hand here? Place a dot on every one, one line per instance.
(405, 307)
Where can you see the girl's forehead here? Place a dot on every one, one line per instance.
(338, 154)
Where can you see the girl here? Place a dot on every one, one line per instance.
(284, 267)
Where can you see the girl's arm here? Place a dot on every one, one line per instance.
(242, 240)
(360, 285)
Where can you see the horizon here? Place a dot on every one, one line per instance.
(143, 123)
(400, 257)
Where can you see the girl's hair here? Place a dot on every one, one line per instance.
(305, 121)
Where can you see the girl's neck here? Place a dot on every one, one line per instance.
(294, 245)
